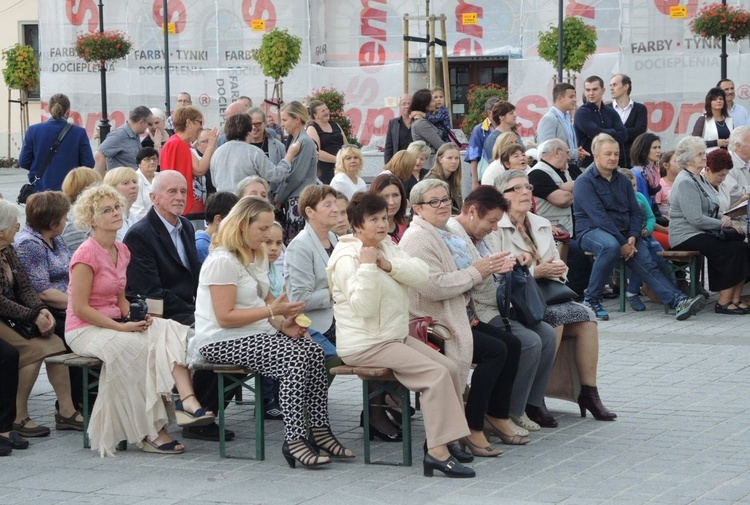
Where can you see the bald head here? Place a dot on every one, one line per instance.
(235, 108)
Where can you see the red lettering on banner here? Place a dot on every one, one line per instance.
(259, 9)
(176, 12)
(372, 52)
(664, 5)
(660, 116)
(78, 10)
(530, 109)
(471, 45)
(374, 125)
(575, 8)
(686, 112)
(116, 119)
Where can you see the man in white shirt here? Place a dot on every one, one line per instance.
(739, 114)
(737, 183)
(634, 115)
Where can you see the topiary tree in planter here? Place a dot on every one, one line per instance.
(579, 42)
(335, 101)
(21, 72)
(478, 95)
(277, 55)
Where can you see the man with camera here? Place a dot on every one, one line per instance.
(164, 265)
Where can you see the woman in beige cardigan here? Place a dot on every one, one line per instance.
(522, 232)
(369, 277)
(453, 272)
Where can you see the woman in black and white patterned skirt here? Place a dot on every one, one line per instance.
(238, 322)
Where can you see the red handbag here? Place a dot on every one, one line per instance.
(427, 330)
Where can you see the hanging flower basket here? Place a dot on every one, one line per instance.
(21, 69)
(102, 46)
(717, 21)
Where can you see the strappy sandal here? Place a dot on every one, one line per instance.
(28, 431)
(200, 417)
(322, 439)
(168, 448)
(301, 450)
(68, 423)
(724, 309)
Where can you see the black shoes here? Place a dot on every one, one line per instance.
(209, 433)
(456, 451)
(541, 416)
(302, 451)
(589, 400)
(374, 432)
(450, 468)
(12, 441)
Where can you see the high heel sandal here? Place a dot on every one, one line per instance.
(588, 399)
(200, 417)
(450, 467)
(374, 432)
(321, 439)
(482, 452)
(491, 429)
(300, 450)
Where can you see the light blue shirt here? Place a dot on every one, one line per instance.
(739, 115)
(174, 234)
(572, 144)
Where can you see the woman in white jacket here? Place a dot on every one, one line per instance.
(369, 278)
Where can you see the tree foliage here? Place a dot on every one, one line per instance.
(579, 42)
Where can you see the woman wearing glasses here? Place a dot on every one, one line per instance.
(177, 155)
(521, 232)
(453, 273)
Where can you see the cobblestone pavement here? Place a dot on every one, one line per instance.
(680, 390)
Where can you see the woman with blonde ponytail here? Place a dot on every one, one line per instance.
(74, 149)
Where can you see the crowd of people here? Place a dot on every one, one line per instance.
(263, 247)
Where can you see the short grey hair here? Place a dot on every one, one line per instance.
(158, 113)
(251, 179)
(9, 213)
(549, 147)
(256, 110)
(501, 181)
(602, 138)
(687, 149)
(419, 148)
(423, 186)
(158, 181)
(739, 137)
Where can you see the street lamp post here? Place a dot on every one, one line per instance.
(104, 126)
(723, 56)
(560, 42)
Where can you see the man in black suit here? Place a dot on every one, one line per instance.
(634, 115)
(164, 265)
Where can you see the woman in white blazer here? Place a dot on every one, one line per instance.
(716, 125)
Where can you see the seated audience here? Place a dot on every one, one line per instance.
(453, 273)
(125, 181)
(696, 225)
(389, 187)
(718, 166)
(148, 162)
(239, 322)
(482, 210)
(253, 185)
(609, 224)
(135, 390)
(402, 165)
(668, 169)
(422, 152)
(512, 157)
(369, 277)
(218, 206)
(24, 315)
(73, 185)
(349, 164)
(447, 168)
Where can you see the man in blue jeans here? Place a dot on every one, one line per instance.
(608, 223)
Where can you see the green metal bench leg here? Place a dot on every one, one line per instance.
(222, 420)
(406, 425)
(260, 444)
(404, 394)
(622, 285)
(366, 418)
(694, 276)
(86, 410)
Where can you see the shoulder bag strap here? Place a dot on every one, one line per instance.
(52, 152)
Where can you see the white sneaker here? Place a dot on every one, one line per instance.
(526, 423)
(517, 429)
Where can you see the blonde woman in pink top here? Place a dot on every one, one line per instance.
(143, 357)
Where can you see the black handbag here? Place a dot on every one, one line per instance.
(28, 189)
(730, 235)
(24, 328)
(554, 292)
(524, 294)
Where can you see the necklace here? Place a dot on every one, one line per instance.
(721, 123)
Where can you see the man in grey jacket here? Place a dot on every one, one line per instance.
(557, 124)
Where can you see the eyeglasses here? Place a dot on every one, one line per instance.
(435, 204)
(258, 124)
(519, 188)
(199, 121)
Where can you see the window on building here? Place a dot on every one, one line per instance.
(464, 74)
(30, 37)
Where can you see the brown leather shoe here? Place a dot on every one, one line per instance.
(36, 431)
(541, 416)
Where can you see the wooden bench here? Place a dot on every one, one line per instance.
(227, 373)
(91, 371)
(385, 382)
(684, 261)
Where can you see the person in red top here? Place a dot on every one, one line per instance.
(177, 155)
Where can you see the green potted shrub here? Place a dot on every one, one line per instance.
(335, 101)
(579, 42)
(21, 68)
(277, 55)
